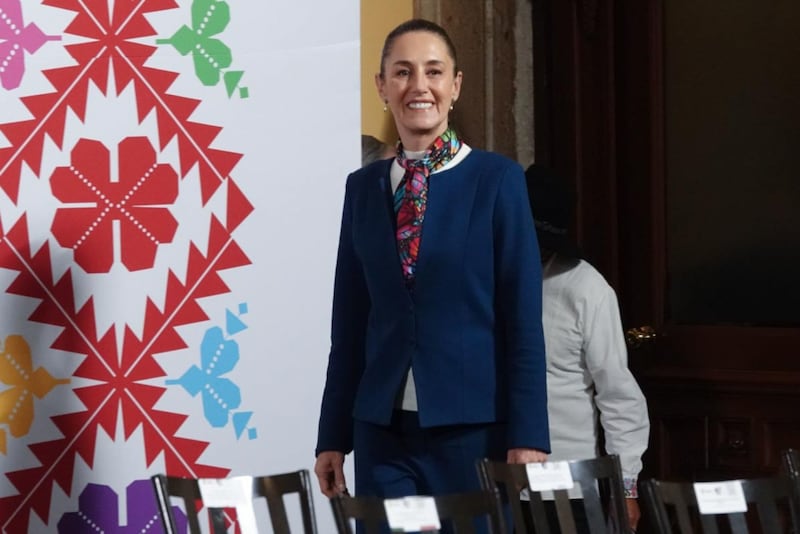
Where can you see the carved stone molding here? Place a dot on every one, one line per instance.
(429, 10)
(494, 39)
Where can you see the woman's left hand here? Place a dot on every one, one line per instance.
(633, 513)
(526, 456)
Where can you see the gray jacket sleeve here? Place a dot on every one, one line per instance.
(622, 406)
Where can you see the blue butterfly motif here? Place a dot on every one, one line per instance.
(220, 395)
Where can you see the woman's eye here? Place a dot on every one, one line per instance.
(434, 73)
(403, 72)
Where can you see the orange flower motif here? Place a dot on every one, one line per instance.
(16, 401)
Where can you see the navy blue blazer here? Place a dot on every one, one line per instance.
(471, 330)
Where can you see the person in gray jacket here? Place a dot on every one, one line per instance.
(589, 386)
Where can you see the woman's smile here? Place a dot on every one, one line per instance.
(419, 83)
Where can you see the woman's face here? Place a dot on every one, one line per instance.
(419, 84)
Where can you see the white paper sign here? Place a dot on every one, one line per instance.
(233, 492)
(720, 497)
(549, 476)
(412, 514)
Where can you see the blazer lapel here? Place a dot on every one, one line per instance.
(451, 195)
(378, 242)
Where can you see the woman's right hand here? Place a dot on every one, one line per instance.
(329, 469)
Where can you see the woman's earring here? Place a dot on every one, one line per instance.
(385, 105)
(452, 105)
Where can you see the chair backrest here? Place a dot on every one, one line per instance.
(791, 463)
(271, 487)
(673, 507)
(791, 466)
(462, 511)
(602, 501)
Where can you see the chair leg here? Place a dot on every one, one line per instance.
(217, 520)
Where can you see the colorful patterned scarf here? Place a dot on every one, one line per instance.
(411, 197)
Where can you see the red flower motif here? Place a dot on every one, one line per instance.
(93, 202)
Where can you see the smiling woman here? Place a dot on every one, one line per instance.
(420, 82)
(437, 354)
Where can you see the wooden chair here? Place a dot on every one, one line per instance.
(791, 466)
(462, 511)
(770, 508)
(791, 463)
(273, 488)
(600, 482)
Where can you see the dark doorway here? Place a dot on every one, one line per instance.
(679, 123)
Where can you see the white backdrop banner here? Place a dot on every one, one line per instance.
(171, 178)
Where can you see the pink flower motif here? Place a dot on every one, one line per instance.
(15, 39)
(93, 202)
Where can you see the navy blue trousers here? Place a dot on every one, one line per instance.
(403, 459)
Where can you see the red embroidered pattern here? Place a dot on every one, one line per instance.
(143, 185)
(140, 201)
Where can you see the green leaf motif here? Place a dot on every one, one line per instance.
(232, 78)
(210, 55)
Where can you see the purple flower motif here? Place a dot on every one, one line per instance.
(98, 512)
